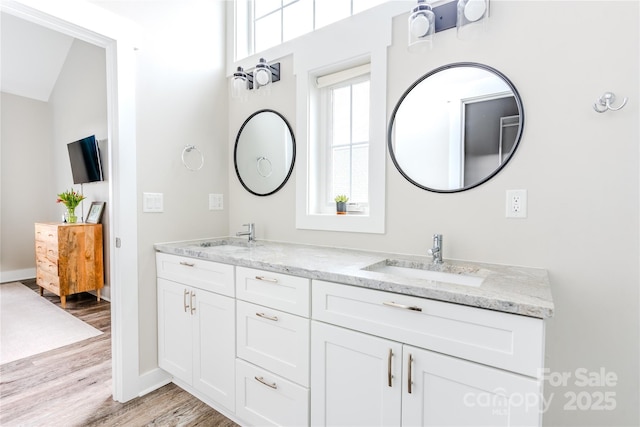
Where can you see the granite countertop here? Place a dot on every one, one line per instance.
(518, 290)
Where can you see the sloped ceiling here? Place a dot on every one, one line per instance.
(32, 57)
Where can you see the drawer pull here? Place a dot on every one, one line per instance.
(406, 307)
(409, 382)
(266, 316)
(266, 279)
(390, 376)
(187, 264)
(191, 298)
(184, 300)
(261, 380)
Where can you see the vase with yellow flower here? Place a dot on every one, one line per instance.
(71, 199)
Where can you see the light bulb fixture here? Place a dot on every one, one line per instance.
(424, 21)
(260, 79)
(422, 26)
(241, 84)
(262, 74)
(471, 17)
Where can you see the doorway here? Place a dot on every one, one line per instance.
(93, 25)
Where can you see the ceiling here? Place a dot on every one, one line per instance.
(32, 57)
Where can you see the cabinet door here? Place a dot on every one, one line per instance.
(214, 346)
(175, 354)
(447, 391)
(355, 378)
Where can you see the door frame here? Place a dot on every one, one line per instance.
(99, 27)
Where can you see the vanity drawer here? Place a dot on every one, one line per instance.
(279, 291)
(265, 399)
(507, 341)
(206, 275)
(274, 340)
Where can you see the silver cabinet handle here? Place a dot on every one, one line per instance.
(266, 279)
(389, 375)
(261, 380)
(266, 316)
(187, 264)
(193, 306)
(406, 307)
(409, 382)
(184, 300)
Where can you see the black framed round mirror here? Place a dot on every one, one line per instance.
(456, 127)
(264, 153)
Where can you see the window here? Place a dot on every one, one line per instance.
(340, 111)
(262, 24)
(347, 141)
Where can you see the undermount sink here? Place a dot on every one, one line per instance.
(446, 273)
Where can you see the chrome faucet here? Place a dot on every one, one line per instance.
(251, 230)
(436, 250)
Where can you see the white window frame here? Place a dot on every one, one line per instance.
(364, 38)
(349, 77)
(244, 24)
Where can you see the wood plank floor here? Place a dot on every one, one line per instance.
(71, 386)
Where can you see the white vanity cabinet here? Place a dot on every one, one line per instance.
(272, 368)
(379, 358)
(196, 333)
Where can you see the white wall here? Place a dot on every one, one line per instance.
(580, 169)
(181, 99)
(27, 193)
(79, 109)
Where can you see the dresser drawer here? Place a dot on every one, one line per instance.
(47, 265)
(265, 399)
(47, 233)
(46, 250)
(279, 291)
(274, 340)
(206, 275)
(50, 282)
(507, 341)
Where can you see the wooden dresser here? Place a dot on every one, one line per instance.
(69, 258)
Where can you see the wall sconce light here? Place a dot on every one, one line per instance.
(424, 21)
(472, 15)
(422, 27)
(240, 84)
(263, 75)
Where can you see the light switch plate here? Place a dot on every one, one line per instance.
(216, 202)
(152, 202)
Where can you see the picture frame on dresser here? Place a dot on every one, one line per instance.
(95, 213)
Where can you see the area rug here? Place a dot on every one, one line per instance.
(29, 324)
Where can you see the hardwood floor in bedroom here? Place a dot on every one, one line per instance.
(71, 386)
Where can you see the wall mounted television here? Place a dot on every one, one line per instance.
(84, 156)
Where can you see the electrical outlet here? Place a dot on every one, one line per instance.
(516, 204)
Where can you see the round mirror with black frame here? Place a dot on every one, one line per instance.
(456, 127)
(264, 153)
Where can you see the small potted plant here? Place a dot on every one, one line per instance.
(341, 204)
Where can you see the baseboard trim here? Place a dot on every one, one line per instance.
(17, 275)
(153, 380)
